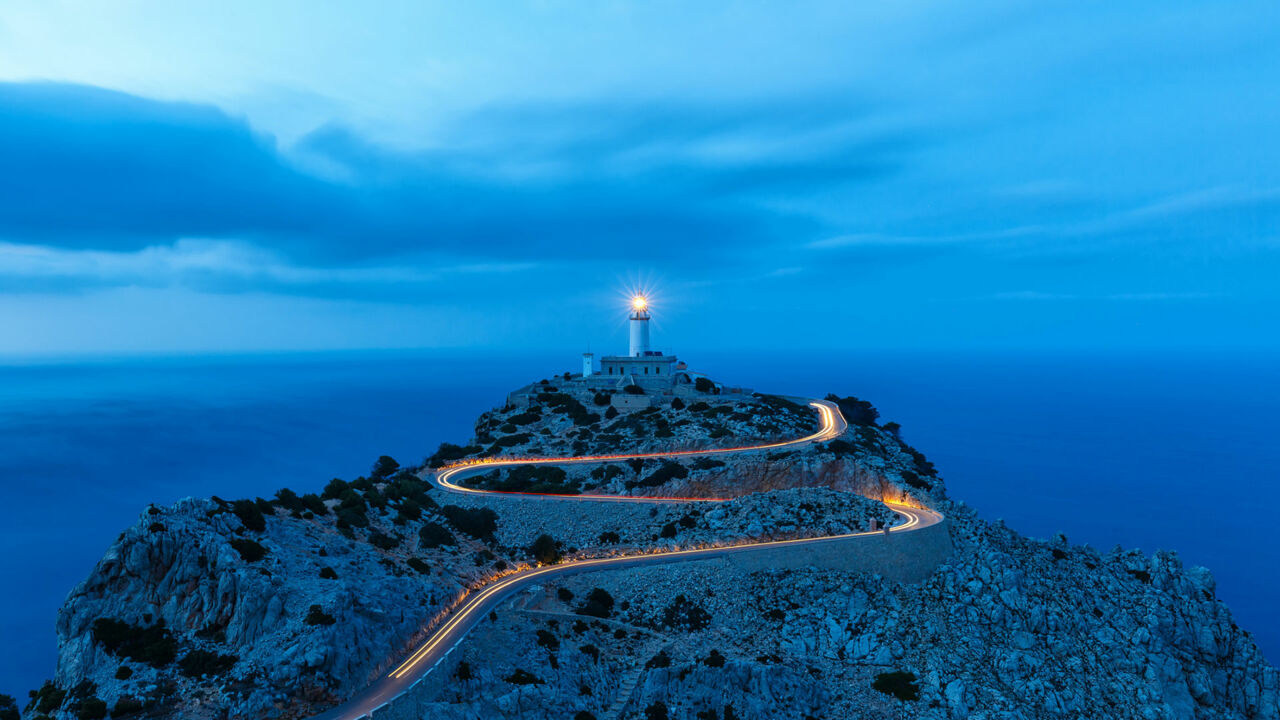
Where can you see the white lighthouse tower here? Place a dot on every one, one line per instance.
(639, 326)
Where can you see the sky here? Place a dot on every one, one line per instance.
(242, 176)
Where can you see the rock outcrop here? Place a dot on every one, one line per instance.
(281, 608)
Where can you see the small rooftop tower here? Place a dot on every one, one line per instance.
(639, 326)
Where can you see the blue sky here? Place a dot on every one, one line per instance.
(249, 176)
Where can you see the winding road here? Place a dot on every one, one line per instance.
(476, 605)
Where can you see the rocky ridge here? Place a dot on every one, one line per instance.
(279, 608)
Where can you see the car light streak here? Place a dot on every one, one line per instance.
(468, 607)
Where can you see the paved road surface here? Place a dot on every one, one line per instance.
(479, 602)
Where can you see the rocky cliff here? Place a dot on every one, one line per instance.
(280, 608)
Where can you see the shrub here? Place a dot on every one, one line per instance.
(512, 440)
(669, 470)
(312, 502)
(250, 514)
(658, 710)
(476, 522)
(857, 412)
(602, 399)
(682, 614)
(333, 490)
(668, 531)
(152, 645)
(328, 573)
(677, 404)
(434, 535)
(599, 603)
(715, 659)
(409, 510)
(548, 640)
(590, 651)
(92, 709)
(419, 564)
(126, 705)
(899, 684)
(250, 551)
(633, 389)
(463, 671)
(448, 452)
(48, 698)
(316, 616)
(545, 549)
(8, 708)
(914, 480)
(383, 467)
(565, 595)
(660, 660)
(703, 385)
(523, 677)
(124, 672)
(535, 478)
(198, 663)
(609, 537)
(707, 464)
(155, 527)
(583, 715)
(611, 413)
(383, 541)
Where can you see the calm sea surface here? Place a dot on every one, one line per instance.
(1149, 452)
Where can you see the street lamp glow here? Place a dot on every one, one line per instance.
(639, 303)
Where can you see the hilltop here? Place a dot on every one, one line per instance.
(282, 607)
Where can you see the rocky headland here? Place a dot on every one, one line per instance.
(283, 607)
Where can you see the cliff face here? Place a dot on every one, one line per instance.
(282, 608)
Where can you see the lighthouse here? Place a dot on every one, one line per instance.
(639, 326)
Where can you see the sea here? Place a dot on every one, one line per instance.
(1157, 450)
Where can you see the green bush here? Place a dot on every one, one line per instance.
(383, 467)
(548, 640)
(419, 564)
(599, 603)
(703, 385)
(126, 705)
(611, 413)
(715, 659)
(313, 503)
(434, 535)
(317, 616)
(124, 672)
(669, 470)
(250, 514)
(476, 522)
(658, 709)
(683, 614)
(8, 708)
(545, 550)
(289, 500)
(668, 531)
(677, 404)
(383, 541)
(900, 684)
(699, 406)
(660, 660)
(602, 399)
(448, 453)
(198, 663)
(91, 709)
(153, 645)
(633, 389)
(523, 677)
(250, 551)
(48, 698)
(328, 573)
(857, 412)
(590, 651)
(463, 671)
(609, 537)
(512, 440)
(334, 489)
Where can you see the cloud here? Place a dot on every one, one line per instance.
(88, 168)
